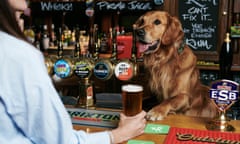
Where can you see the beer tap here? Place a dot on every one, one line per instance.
(126, 69)
(82, 65)
(63, 67)
(104, 68)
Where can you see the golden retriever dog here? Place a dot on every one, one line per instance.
(174, 77)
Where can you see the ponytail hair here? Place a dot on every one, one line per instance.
(8, 21)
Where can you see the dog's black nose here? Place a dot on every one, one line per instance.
(140, 32)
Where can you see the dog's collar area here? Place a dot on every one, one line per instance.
(181, 48)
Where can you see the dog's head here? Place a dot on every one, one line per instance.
(155, 29)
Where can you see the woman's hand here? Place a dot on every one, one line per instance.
(129, 127)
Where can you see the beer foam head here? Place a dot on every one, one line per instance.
(132, 88)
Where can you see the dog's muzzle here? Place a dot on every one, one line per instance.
(144, 46)
(140, 32)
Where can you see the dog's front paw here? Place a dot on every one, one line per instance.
(154, 115)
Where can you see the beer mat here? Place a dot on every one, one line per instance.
(156, 129)
(193, 136)
(139, 142)
(99, 118)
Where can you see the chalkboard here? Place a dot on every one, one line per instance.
(200, 23)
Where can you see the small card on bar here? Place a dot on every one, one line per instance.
(156, 129)
(139, 142)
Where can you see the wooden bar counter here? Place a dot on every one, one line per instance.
(180, 121)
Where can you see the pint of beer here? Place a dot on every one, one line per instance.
(132, 99)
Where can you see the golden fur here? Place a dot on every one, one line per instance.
(172, 66)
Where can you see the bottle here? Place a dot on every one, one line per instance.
(235, 27)
(53, 38)
(104, 43)
(84, 43)
(91, 41)
(37, 38)
(110, 39)
(237, 19)
(45, 38)
(114, 43)
(60, 43)
(118, 30)
(122, 31)
(226, 58)
(77, 50)
(77, 44)
(96, 42)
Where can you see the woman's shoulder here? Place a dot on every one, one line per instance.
(10, 42)
(12, 46)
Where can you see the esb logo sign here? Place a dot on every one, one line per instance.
(224, 93)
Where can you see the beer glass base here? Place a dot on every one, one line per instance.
(216, 126)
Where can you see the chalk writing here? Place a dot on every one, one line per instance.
(200, 20)
(123, 5)
(135, 5)
(48, 6)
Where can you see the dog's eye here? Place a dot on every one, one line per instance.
(157, 22)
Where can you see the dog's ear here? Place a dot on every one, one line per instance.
(173, 31)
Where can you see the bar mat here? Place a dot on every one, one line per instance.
(99, 118)
(193, 136)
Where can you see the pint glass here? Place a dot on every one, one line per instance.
(132, 99)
